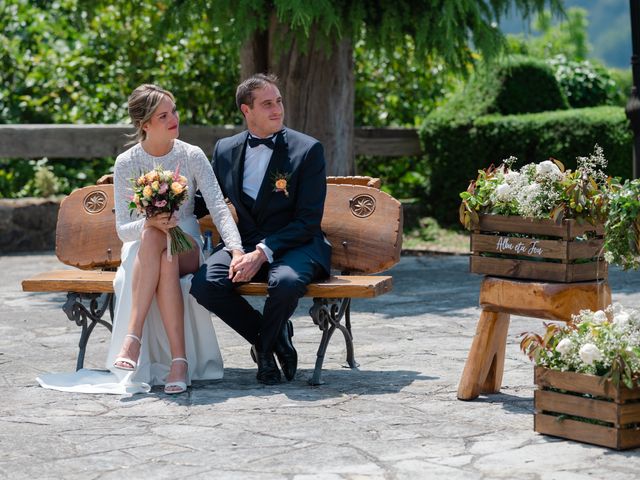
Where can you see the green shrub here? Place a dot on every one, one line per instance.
(585, 84)
(456, 151)
(402, 177)
(527, 85)
(624, 81)
(517, 84)
(20, 178)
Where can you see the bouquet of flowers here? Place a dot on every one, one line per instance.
(604, 343)
(160, 191)
(544, 190)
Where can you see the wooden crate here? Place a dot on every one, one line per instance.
(537, 249)
(561, 397)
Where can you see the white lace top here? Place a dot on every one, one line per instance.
(195, 166)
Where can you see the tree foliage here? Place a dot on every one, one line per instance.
(395, 87)
(62, 63)
(76, 61)
(443, 28)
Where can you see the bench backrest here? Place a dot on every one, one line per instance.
(363, 224)
(86, 230)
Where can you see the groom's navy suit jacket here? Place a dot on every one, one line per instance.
(282, 222)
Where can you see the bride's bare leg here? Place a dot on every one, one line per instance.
(169, 298)
(146, 273)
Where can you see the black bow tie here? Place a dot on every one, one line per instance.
(254, 142)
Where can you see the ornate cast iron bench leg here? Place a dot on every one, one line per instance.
(327, 314)
(88, 318)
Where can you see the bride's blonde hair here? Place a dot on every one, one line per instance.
(142, 102)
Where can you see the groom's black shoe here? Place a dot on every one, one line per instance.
(268, 372)
(285, 351)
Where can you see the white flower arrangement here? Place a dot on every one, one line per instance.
(543, 190)
(604, 343)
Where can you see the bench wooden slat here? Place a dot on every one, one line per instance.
(339, 286)
(79, 281)
(96, 281)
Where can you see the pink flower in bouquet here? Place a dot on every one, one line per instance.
(159, 203)
(163, 188)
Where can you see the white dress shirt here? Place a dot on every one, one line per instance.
(256, 161)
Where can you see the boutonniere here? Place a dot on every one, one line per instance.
(281, 182)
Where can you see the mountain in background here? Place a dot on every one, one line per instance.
(609, 29)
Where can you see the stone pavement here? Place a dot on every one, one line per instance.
(395, 418)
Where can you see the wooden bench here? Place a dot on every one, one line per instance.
(363, 224)
(502, 297)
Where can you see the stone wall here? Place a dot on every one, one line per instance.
(28, 224)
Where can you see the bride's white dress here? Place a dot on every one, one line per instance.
(203, 353)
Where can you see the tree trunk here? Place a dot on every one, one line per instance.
(317, 88)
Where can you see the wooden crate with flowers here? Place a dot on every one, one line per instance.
(540, 222)
(588, 378)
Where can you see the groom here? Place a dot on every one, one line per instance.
(275, 178)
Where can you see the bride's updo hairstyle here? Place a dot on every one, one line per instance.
(142, 103)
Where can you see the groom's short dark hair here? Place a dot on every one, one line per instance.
(244, 92)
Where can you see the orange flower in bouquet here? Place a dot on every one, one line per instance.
(161, 191)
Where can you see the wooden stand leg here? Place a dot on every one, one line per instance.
(485, 363)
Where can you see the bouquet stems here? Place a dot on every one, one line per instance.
(179, 241)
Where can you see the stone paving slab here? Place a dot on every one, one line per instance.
(397, 417)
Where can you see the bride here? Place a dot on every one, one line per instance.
(161, 335)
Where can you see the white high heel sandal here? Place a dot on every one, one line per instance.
(131, 362)
(182, 386)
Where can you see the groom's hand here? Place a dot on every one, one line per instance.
(244, 268)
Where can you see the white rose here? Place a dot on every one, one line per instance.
(564, 346)
(599, 316)
(547, 167)
(621, 318)
(503, 193)
(589, 353)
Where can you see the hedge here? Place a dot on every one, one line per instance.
(457, 150)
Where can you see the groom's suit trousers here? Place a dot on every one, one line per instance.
(287, 279)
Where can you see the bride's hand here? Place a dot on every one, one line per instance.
(236, 255)
(162, 221)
